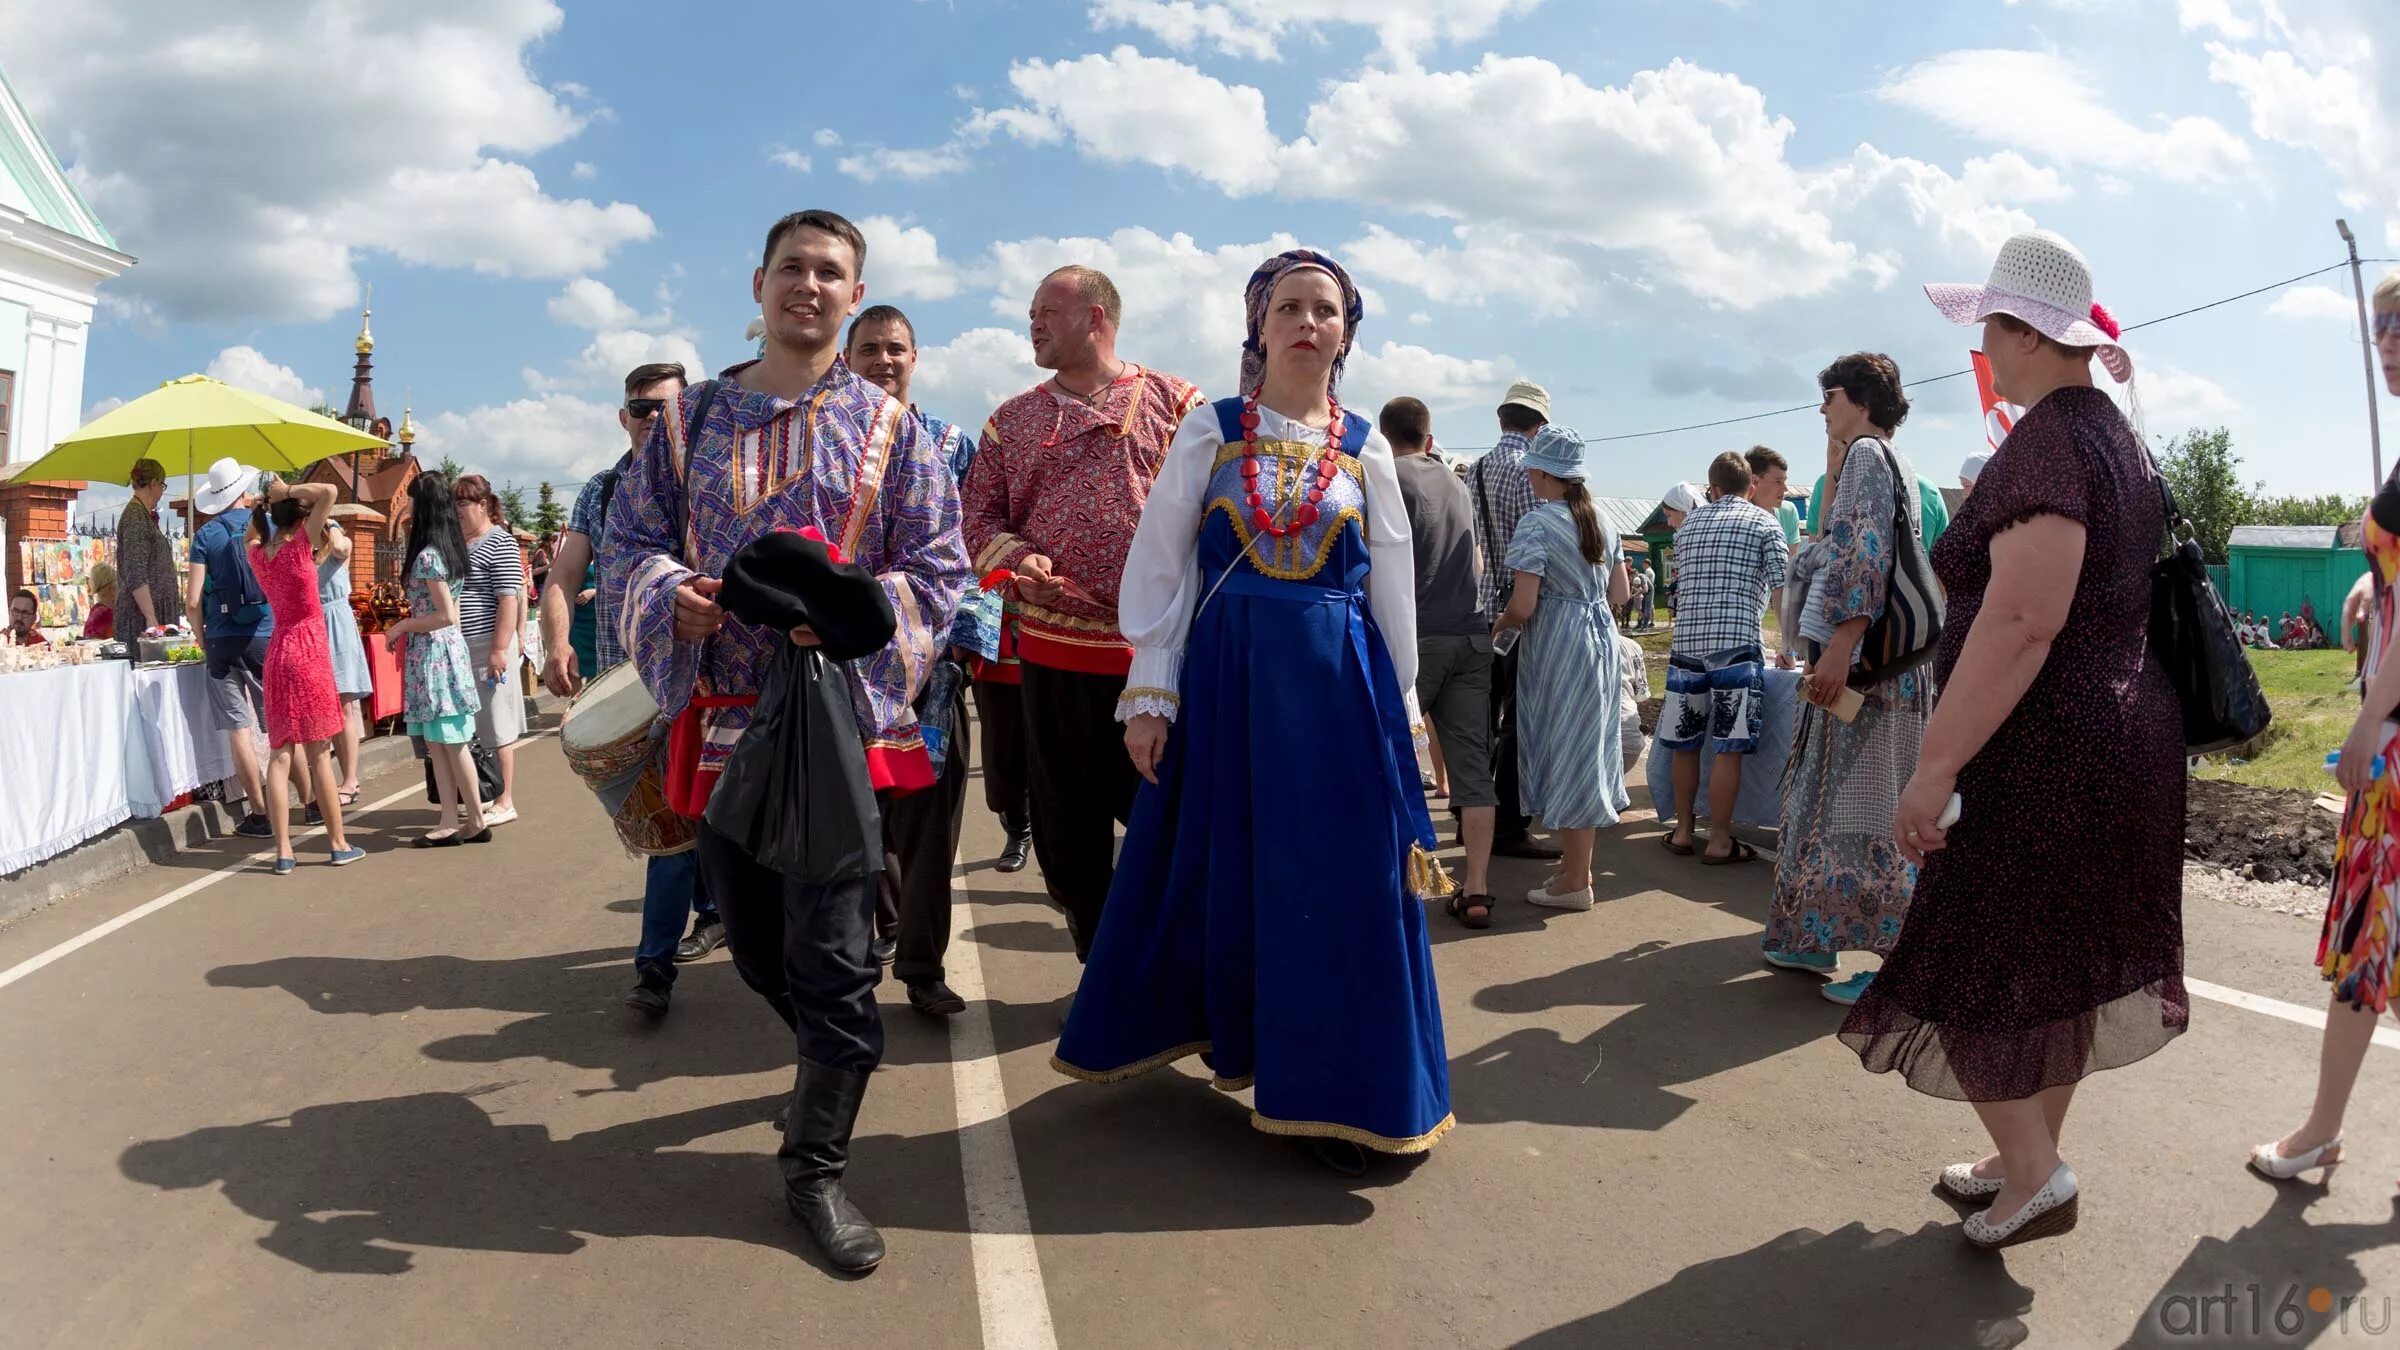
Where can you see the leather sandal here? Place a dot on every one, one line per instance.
(1463, 908)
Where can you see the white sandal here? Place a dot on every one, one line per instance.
(1959, 1180)
(2269, 1161)
(2049, 1213)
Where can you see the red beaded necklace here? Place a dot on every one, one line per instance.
(1328, 465)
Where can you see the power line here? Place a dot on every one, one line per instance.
(1955, 374)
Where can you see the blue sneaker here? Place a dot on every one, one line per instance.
(1846, 992)
(284, 866)
(343, 857)
(1819, 963)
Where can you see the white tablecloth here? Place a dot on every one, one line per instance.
(85, 747)
(62, 758)
(173, 747)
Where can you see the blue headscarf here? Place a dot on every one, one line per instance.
(1262, 286)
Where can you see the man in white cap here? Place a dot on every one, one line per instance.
(1969, 472)
(1502, 495)
(235, 624)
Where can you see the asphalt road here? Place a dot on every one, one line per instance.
(401, 1105)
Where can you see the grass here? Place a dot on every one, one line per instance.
(2313, 711)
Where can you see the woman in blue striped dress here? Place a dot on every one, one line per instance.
(1570, 578)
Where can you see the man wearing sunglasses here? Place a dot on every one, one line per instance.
(586, 646)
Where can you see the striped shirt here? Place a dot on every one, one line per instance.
(495, 567)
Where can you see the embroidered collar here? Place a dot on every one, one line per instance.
(1112, 410)
(751, 409)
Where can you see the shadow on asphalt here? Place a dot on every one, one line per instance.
(1853, 1286)
(1689, 1022)
(352, 1187)
(718, 1027)
(2268, 1271)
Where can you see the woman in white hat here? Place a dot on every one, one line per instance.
(2045, 938)
(1968, 472)
(2361, 941)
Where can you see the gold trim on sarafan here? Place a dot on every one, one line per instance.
(1293, 464)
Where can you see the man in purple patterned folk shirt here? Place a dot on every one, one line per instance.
(794, 440)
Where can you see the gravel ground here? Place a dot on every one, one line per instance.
(2204, 881)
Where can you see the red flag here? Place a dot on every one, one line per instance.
(1998, 418)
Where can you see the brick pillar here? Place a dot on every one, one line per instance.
(34, 511)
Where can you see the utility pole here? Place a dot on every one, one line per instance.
(2366, 354)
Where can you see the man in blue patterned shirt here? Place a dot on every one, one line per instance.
(920, 829)
(1501, 496)
(671, 886)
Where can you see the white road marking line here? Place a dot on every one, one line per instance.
(190, 888)
(1009, 1293)
(2274, 1007)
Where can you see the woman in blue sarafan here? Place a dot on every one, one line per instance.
(1266, 910)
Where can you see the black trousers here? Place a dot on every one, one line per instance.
(1509, 823)
(1083, 787)
(1000, 707)
(920, 842)
(807, 950)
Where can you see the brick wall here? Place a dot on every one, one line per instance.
(34, 511)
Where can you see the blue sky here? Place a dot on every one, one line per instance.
(1668, 211)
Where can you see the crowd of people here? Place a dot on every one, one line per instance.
(267, 592)
(1227, 626)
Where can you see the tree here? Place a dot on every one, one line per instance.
(2330, 509)
(2201, 467)
(549, 518)
(450, 468)
(512, 505)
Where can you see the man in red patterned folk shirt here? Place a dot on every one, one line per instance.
(1055, 491)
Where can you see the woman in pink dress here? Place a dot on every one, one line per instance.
(304, 710)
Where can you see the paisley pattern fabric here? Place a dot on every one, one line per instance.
(694, 496)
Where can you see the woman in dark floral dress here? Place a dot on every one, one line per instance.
(2045, 939)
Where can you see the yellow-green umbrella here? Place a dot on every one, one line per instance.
(194, 422)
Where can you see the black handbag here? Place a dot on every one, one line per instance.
(1909, 630)
(795, 794)
(2192, 636)
(487, 774)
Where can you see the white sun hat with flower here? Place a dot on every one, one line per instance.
(2041, 279)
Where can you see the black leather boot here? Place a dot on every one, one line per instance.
(1018, 849)
(816, 1150)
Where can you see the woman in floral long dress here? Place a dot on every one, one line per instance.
(1841, 884)
(2362, 919)
(437, 679)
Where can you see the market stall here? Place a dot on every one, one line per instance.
(89, 743)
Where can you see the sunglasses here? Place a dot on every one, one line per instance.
(2386, 324)
(643, 409)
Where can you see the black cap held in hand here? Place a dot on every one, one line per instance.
(786, 579)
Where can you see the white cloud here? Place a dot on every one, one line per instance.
(790, 159)
(621, 338)
(262, 207)
(586, 303)
(2214, 14)
(2174, 399)
(1127, 108)
(1260, 29)
(971, 374)
(2329, 106)
(101, 409)
(1484, 267)
(909, 166)
(583, 172)
(827, 138)
(905, 262)
(2315, 302)
(2055, 111)
(1444, 382)
(248, 368)
(559, 438)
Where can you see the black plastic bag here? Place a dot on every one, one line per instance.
(795, 794)
(2192, 636)
(487, 772)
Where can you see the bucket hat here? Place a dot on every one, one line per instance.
(1527, 394)
(1558, 452)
